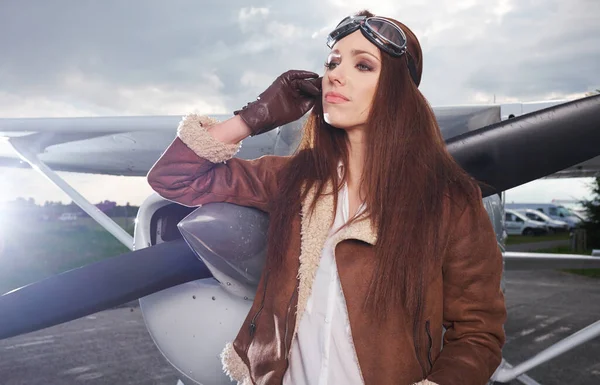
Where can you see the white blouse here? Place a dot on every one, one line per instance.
(322, 352)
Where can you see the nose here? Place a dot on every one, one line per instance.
(336, 75)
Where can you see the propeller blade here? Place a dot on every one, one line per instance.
(98, 286)
(516, 151)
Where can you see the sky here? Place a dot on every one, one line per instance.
(92, 58)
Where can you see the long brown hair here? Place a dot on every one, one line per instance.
(409, 174)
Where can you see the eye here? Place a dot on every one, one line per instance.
(330, 65)
(364, 66)
(333, 60)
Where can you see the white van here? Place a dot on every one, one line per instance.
(517, 223)
(554, 211)
(554, 226)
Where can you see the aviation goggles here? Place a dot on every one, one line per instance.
(383, 33)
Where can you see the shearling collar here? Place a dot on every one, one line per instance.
(314, 231)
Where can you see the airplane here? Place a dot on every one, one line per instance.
(194, 270)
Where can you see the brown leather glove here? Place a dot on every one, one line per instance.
(290, 96)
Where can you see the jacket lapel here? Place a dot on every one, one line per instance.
(315, 228)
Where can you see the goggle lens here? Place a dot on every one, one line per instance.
(387, 30)
(390, 36)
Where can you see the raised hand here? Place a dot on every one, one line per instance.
(290, 96)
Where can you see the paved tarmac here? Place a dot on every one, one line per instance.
(545, 307)
(108, 348)
(113, 347)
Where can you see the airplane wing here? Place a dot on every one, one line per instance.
(127, 145)
(589, 168)
(130, 145)
(514, 260)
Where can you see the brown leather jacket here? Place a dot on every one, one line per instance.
(463, 296)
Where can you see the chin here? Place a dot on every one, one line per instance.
(337, 120)
(333, 118)
(332, 121)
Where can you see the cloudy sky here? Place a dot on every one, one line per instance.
(89, 58)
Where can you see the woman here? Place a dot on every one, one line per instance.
(377, 238)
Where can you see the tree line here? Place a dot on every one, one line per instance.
(28, 208)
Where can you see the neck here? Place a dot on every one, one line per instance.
(356, 159)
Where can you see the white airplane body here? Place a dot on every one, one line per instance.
(191, 322)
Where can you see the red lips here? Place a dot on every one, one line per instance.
(335, 97)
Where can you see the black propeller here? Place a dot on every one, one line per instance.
(503, 156)
(98, 286)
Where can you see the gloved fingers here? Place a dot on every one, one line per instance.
(300, 74)
(310, 87)
(316, 82)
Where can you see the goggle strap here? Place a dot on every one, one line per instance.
(412, 67)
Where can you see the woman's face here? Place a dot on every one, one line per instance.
(350, 80)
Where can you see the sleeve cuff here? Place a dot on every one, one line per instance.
(192, 131)
(233, 366)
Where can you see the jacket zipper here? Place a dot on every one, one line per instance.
(416, 338)
(287, 322)
(430, 344)
(262, 305)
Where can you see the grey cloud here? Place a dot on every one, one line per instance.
(125, 41)
(145, 43)
(109, 56)
(542, 49)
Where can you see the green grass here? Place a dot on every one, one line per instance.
(516, 239)
(34, 250)
(593, 273)
(563, 250)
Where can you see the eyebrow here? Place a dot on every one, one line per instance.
(358, 52)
